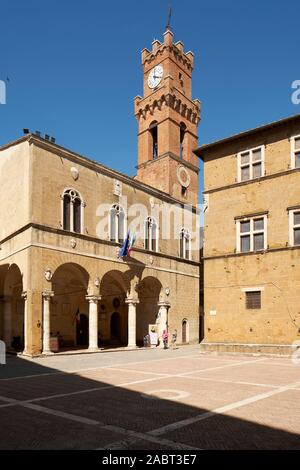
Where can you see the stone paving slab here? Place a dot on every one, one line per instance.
(174, 365)
(23, 428)
(282, 414)
(34, 387)
(225, 432)
(257, 372)
(136, 407)
(23, 366)
(200, 395)
(115, 376)
(272, 423)
(259, 408)
(122, 407)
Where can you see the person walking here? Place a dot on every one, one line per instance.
(165, 337)
(174, 339)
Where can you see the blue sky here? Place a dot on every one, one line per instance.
(74, 67)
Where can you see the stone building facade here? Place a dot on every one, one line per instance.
(64, 219)
(252, 239)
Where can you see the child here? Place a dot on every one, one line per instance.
(174, 339)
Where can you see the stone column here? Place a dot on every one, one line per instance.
(132, 303)
(7, 313)
(163, 320)
(93, 321)
(24, 297)
(46, 321)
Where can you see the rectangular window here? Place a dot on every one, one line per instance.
(294, 227)
(253, 300)
(251, 164)
(251, 234)
(295, 151)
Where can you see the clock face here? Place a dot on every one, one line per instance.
(155, 76)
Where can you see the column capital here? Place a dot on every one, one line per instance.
(93, 298)
(131, 301)
(164, 303)
(47, 294)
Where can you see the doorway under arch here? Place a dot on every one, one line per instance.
(115, 327)
(82, 330)
(149, 290)
(113, 309)
(12, 326)
(69, 306)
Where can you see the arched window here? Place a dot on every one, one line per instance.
(151, 234)
(117, 224)
(185, 244)
(72, 211)
(154, 139)
(182, 134)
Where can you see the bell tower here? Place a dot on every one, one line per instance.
(167, 119)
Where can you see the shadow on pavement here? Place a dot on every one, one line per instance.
(81, 413)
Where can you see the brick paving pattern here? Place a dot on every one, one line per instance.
(150, 399)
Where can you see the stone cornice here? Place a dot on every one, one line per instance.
(250, 253)
(213, 146)
(253, 181)
(46, 228)
(174, 157)
(252, 214)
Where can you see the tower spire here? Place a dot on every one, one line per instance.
(168, 25)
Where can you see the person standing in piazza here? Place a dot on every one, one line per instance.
(174, 339)
(165, 337)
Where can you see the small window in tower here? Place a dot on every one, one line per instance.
(181, 79)
(154, 136)
(183, 191)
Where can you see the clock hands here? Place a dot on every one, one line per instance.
(155, 76)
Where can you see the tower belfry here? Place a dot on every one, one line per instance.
(167, 119)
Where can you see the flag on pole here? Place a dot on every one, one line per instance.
(127, 245)
(132, 239)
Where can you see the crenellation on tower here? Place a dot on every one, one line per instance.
(155, 45)
(145, 53)
(179, 45)
(174, 50)
(168, 117)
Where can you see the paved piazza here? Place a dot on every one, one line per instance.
(150, 399)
